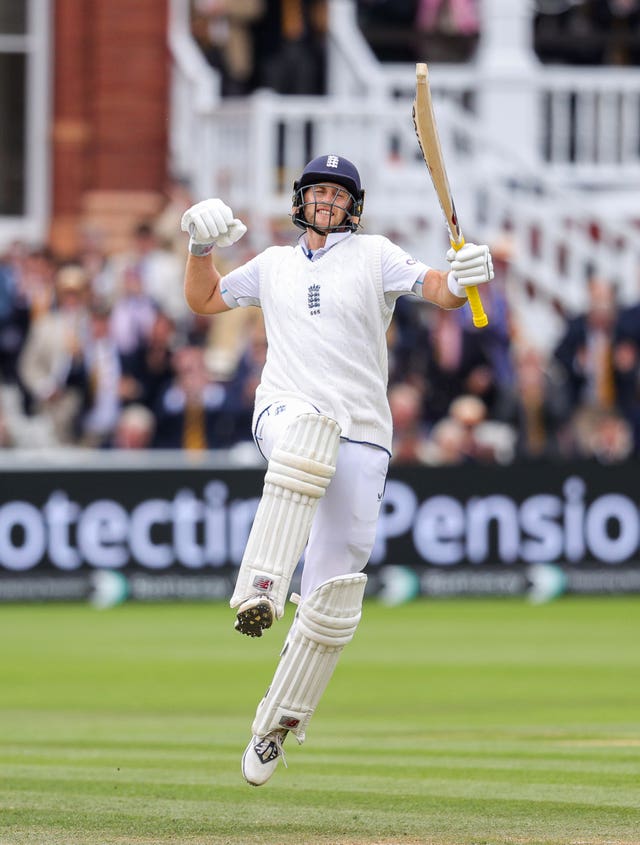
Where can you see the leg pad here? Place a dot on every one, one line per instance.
(299, 471)
(325, 622)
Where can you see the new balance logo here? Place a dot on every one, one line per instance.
(313, 298)
(262, 583)
(289, 722)
(333, 161)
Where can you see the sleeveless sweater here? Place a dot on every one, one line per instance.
(326, 324)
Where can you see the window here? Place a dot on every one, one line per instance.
(12, 138)
(24, 114)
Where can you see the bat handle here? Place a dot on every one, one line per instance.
(480, 319)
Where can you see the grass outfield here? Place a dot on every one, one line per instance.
(478, 721)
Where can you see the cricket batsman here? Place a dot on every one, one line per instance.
(322, 421)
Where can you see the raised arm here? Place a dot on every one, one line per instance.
(209, 223)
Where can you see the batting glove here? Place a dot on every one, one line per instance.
(471, 265)
(211, 223)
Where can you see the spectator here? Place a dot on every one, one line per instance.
(52, 349)
(35, 272)
(133, 314)
(148, 370)
(485, 440)
(585, 352)
(160, 272)
(601, 434)
(457, 16)
(135, 428)
(190, 413)
(97, 373)
(223, 30)
(535, 406)
(457, 363)
(469, 412)
(409, 437)
(588, 32)
(93, 258)
(389, 27)
(626, 359)
(612, 438)
(620, 20)
(408, 336)
(6, 438)
(290, 46)
(241, 387)
(14, 323)
(432, 30)
(447, 443)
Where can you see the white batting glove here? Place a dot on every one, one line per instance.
(471, 265)
(211, 223)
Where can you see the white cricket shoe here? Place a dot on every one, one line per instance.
(255, 615)
(261, 757)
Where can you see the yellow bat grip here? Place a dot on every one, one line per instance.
(480, 319)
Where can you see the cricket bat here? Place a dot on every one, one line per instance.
(425, 124)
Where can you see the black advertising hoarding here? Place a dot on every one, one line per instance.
(178, 530)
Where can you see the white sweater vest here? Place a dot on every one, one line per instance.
(326, 324)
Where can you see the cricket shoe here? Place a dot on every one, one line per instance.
(255, 615)
(261, 757)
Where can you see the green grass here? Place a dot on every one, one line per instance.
(451, 722)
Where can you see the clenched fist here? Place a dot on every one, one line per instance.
(211, 223)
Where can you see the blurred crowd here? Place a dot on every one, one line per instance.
(458, 394)
(102, 352)
(280, 44)
(588, 32)
(277, 44)
(585, 32)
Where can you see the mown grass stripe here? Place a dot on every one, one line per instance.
(447, 723)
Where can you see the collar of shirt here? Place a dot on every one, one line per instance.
(332, 239)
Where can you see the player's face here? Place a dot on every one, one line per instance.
(326, 205)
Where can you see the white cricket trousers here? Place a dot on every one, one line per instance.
(344, 526)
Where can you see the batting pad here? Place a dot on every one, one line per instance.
(299, 471)
(325, 622)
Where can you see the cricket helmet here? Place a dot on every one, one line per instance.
(336, 170)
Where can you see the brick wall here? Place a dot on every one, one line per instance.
(111, 73)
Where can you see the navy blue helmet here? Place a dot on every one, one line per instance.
(336, 170)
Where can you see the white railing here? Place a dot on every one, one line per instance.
(592, 120)
(194, 96)
(549, 186)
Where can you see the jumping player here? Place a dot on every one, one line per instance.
(321, 421)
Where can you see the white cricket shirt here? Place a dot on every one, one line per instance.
(326, 315)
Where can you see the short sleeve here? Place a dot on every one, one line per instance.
(241, 287)
(400, 271)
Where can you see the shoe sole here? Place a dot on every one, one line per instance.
(255, 619)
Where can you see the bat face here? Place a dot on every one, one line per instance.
(429, 142)
(426, 131)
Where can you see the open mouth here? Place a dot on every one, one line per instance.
(324, 217)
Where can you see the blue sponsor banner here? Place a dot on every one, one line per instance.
(177, 529)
